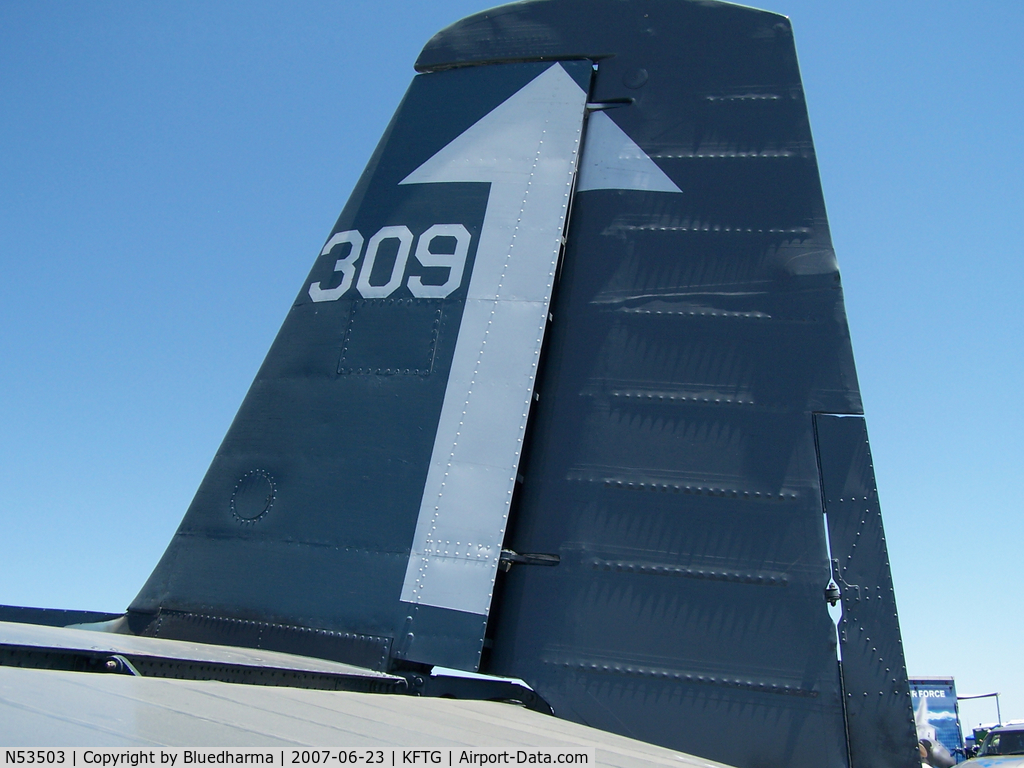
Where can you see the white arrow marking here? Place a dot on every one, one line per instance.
(612, 160)
(526, 148)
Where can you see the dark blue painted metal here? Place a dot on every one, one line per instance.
(337, 431)
(671, 462)
(53, 617)
(879, 708)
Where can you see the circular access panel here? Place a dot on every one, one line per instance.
(635, 78)
(253, 496)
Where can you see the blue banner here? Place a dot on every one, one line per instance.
(937, 719)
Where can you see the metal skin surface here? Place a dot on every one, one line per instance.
(358, 505)
(874, 670)
(70, 709)
(388, 416)
(526, 150)
(671, 459)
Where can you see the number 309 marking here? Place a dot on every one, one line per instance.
(454, 262)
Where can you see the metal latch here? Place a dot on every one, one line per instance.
(509, 558)
(832, 594)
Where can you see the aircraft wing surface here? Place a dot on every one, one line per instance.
(109, 642)
(56, 708)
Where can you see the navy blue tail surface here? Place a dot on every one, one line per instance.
(317, 496)
(545, 406)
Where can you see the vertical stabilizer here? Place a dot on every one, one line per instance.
(568, 396)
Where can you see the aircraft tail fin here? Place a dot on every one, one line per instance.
(565, 398)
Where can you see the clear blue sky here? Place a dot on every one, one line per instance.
(168, 172)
